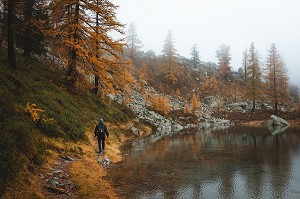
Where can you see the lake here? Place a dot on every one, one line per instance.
(239, 162)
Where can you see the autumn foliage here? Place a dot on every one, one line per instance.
(160, 104)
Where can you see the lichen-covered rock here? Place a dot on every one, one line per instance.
(277, 125)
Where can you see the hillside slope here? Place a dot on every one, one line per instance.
(42, 118)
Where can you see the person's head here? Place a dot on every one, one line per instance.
(101, 121)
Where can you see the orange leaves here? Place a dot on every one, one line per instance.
(80, 31)
(196, 104)
(160, 104)
(35, 113)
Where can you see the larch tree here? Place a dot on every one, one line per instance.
(253, 79)
(224, 58)
(276, 78)
(142, 73)
(195, 59)
(195, 103)
(83, 28)
(30, 36)
(245, 63)
(170, 63)
(133, 42)
(11, 40)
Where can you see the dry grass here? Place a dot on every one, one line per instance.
(255, 123)
(26, 188)
(89, 175)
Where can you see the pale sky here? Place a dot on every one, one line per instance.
(210, 23)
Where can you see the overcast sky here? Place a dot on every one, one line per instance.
(210, 23)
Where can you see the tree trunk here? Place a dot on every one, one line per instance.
(276, 107)
(71, 69)
(253, 106)
(96, 84)
(97, 49)
(11, 34)
(27, 38)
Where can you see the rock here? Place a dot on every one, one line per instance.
(277, 125)
(135, 131)
(56, 183)
(277, 121)
(239, 106)
(56, 190)
(67, 158)
(42, 176)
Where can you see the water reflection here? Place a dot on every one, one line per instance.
(230, 163)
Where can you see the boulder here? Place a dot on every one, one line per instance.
(277, 121)
(277, 125)
(135, 131)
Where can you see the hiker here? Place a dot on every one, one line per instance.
(100, 131)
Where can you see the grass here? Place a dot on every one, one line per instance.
(24, 143)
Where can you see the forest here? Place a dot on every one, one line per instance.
(62, 67)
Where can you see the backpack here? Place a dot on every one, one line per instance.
(100, 130)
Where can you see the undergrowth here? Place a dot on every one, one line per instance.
(65, 114)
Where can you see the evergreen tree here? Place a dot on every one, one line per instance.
(133, 41)
(253, 79)
(276, 78)
(170, 63)
(245, 63)
(30, 36)
(224, 58)
(195, 59)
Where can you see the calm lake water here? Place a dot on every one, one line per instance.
(232, 163)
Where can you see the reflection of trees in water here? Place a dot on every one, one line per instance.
(181, 165)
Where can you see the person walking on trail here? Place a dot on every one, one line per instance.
(100, 132)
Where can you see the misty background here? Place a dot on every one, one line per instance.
(210, 23)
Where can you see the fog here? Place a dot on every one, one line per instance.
(211, 23)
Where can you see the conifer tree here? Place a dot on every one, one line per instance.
(170, 63)
(224, 58)
(30, 36)
(245, 63)
(133, 41)
(276, 78)
(196, 104)
(253, 83)
(195, 59)
(83, 27)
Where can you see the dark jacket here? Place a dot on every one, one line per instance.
(101, 131)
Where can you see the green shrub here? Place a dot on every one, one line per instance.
(50, 129)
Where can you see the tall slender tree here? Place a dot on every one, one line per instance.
(133, 41)
(84, 27)
(30, 36)
(276, 78)
(28, 18)
(253, 83)
(170, 63)
(245, 63)
(195, 59)
(224, 58)
(11, 41)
